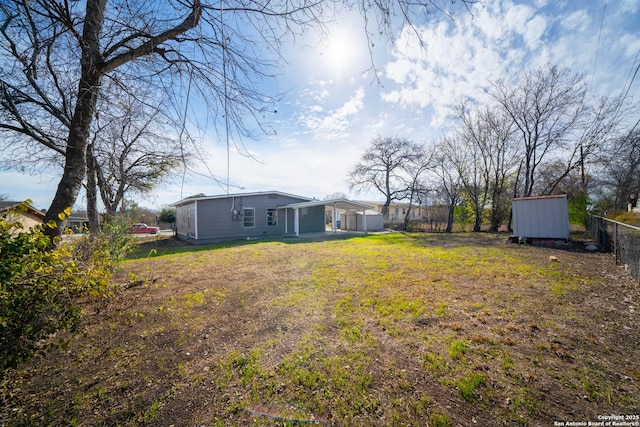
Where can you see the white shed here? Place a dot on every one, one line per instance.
(355, 221)
(543, 217)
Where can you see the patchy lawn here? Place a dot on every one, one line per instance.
(380, 330)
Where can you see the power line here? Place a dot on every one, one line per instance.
(224, 77)
(595, 60)
(635, 73)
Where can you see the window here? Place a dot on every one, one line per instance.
(249, 215)
(272, 217)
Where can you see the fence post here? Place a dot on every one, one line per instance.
(615, 243)
(623, 240)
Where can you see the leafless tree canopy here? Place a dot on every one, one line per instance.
(537, 136)
(132, 147)
(618, 167)
(386, 167)
(56, 55)
(554, 118)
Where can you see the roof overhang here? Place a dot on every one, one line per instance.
(20, 207)
(189, 200)
(343, 204)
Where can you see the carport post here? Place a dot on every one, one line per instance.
(364, 219)
(335, 217)
(296, 221)
(286, 222)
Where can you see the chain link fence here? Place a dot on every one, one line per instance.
(622, 240)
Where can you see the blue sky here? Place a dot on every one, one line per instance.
(334, 106)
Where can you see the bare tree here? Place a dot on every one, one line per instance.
(132, 149)
(486, 165)
(548, 109)
(335, 196)
(416, 185)
(472, 161)
(56, 55)
(598, 127)
(383, 168)
(448, 181)
(619, 167)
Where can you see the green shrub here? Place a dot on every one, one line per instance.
(578, 206)
(40, 286)
(168, 215)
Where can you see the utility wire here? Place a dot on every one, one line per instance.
(595, 60)
(182, 130)
(224, 83)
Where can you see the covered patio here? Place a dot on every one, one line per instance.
(334, 206)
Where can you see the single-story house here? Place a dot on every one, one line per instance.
(29, 217)
(541, 217)
(254, 215)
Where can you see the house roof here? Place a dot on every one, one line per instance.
(227, 196)
(7, 205)
(338, 203)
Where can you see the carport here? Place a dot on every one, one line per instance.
(333, 205)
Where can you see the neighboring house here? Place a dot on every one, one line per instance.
(29, 217)
(397, 211)
(253, 215)
(77, 224)
(540, 218)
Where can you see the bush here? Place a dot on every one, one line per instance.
(40, 287)
(578, 206)
(168, 215)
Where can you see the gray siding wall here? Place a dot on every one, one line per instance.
(311, 219)
(186, 220)
(217, 219)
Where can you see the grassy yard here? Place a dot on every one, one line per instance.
(380, 330)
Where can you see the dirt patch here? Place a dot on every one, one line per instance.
(402, 329)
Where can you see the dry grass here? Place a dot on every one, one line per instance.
(397, 329)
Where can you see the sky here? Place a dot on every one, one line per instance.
(335, 104)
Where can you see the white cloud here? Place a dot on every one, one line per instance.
(503, 39)
(576, 21)
(330, 124)
(629, 6)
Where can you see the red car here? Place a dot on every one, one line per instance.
(142, 228)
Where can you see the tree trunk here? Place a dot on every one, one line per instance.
(92, 192)
(450, 217)
(405, 224)
(477, 226)
(385, 209)
(75, 166)
(496, 220)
